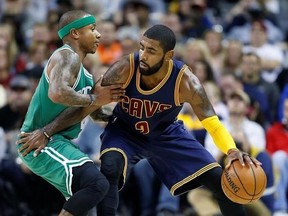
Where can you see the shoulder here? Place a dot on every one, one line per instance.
(189, 79)
(118, 72)
(66, 57)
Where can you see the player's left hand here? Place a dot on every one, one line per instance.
(236, 154)
(30, 141)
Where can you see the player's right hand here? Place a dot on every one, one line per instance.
(30, 141)
(236, 154)
(107, 94)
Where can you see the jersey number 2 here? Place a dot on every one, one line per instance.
(142, 127)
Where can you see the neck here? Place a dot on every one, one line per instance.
(76, 49)
(153, 80)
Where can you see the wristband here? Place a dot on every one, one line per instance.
(91, 99)
(46, 134)
(221, 137)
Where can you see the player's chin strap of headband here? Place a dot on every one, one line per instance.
(76, 24)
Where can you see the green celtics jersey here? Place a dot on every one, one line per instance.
(42, 110)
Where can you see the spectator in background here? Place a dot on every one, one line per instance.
(13, 113)
(214, 95)
(203, 71)
(3, 96)
(193, 17)
(232, 57)
(109, 50)
(37, 55)
(213, 40)
(5, 68)
(34, 74)
(128, 38)
(283, 97)
(282, 79)
(250, 137)
(154, 196)
(271, 55)
(136, 14)
(35, 13)
(228, 84)
(7, 36)
(53, 17)
(14, 15)
(241, 128)
(40, 32)
(172, 20)
(238, 21)
(277, 139)
(265, 93)
(195, 50)
(277, 134)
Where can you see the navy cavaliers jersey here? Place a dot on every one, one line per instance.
(150, 111)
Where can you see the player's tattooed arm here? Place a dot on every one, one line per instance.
(192, 92)
(63, 71)
(118, 72)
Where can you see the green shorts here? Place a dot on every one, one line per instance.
(55, 163)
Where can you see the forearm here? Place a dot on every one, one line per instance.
(67, 118)
(219, 134)
(69, 97)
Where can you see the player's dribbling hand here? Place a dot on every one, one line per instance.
(236, 154)
(30, 141)
(107, 94)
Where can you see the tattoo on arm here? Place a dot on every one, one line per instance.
(67, 118)
(62, 77)
(193, 92)
(117, 73)
(203, 108)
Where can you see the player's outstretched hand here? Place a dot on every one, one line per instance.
(30, 141)
(107, 94)
(236, 154)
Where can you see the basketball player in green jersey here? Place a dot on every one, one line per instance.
(65, 83)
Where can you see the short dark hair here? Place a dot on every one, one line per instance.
(70, 16)
(164, 35)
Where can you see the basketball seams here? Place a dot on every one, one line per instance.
(228, 188)
(254, 178)
(231, 191)
(232, 179)
(243, 186)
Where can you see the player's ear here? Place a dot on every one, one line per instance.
(169, 55)
(74, 33)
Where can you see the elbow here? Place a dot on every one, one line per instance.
(55, 97)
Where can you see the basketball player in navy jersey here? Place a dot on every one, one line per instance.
(144, 125)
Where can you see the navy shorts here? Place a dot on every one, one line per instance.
(175, 155)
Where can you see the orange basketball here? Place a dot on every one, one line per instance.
(243, 184)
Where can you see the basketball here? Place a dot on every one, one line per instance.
(243, 184)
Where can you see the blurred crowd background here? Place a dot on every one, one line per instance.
(237, 48)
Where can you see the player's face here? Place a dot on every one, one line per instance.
(90, 38)
(151, 56)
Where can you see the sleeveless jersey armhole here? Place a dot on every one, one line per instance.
(48, 62)
(131, 71)
(177, 85)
